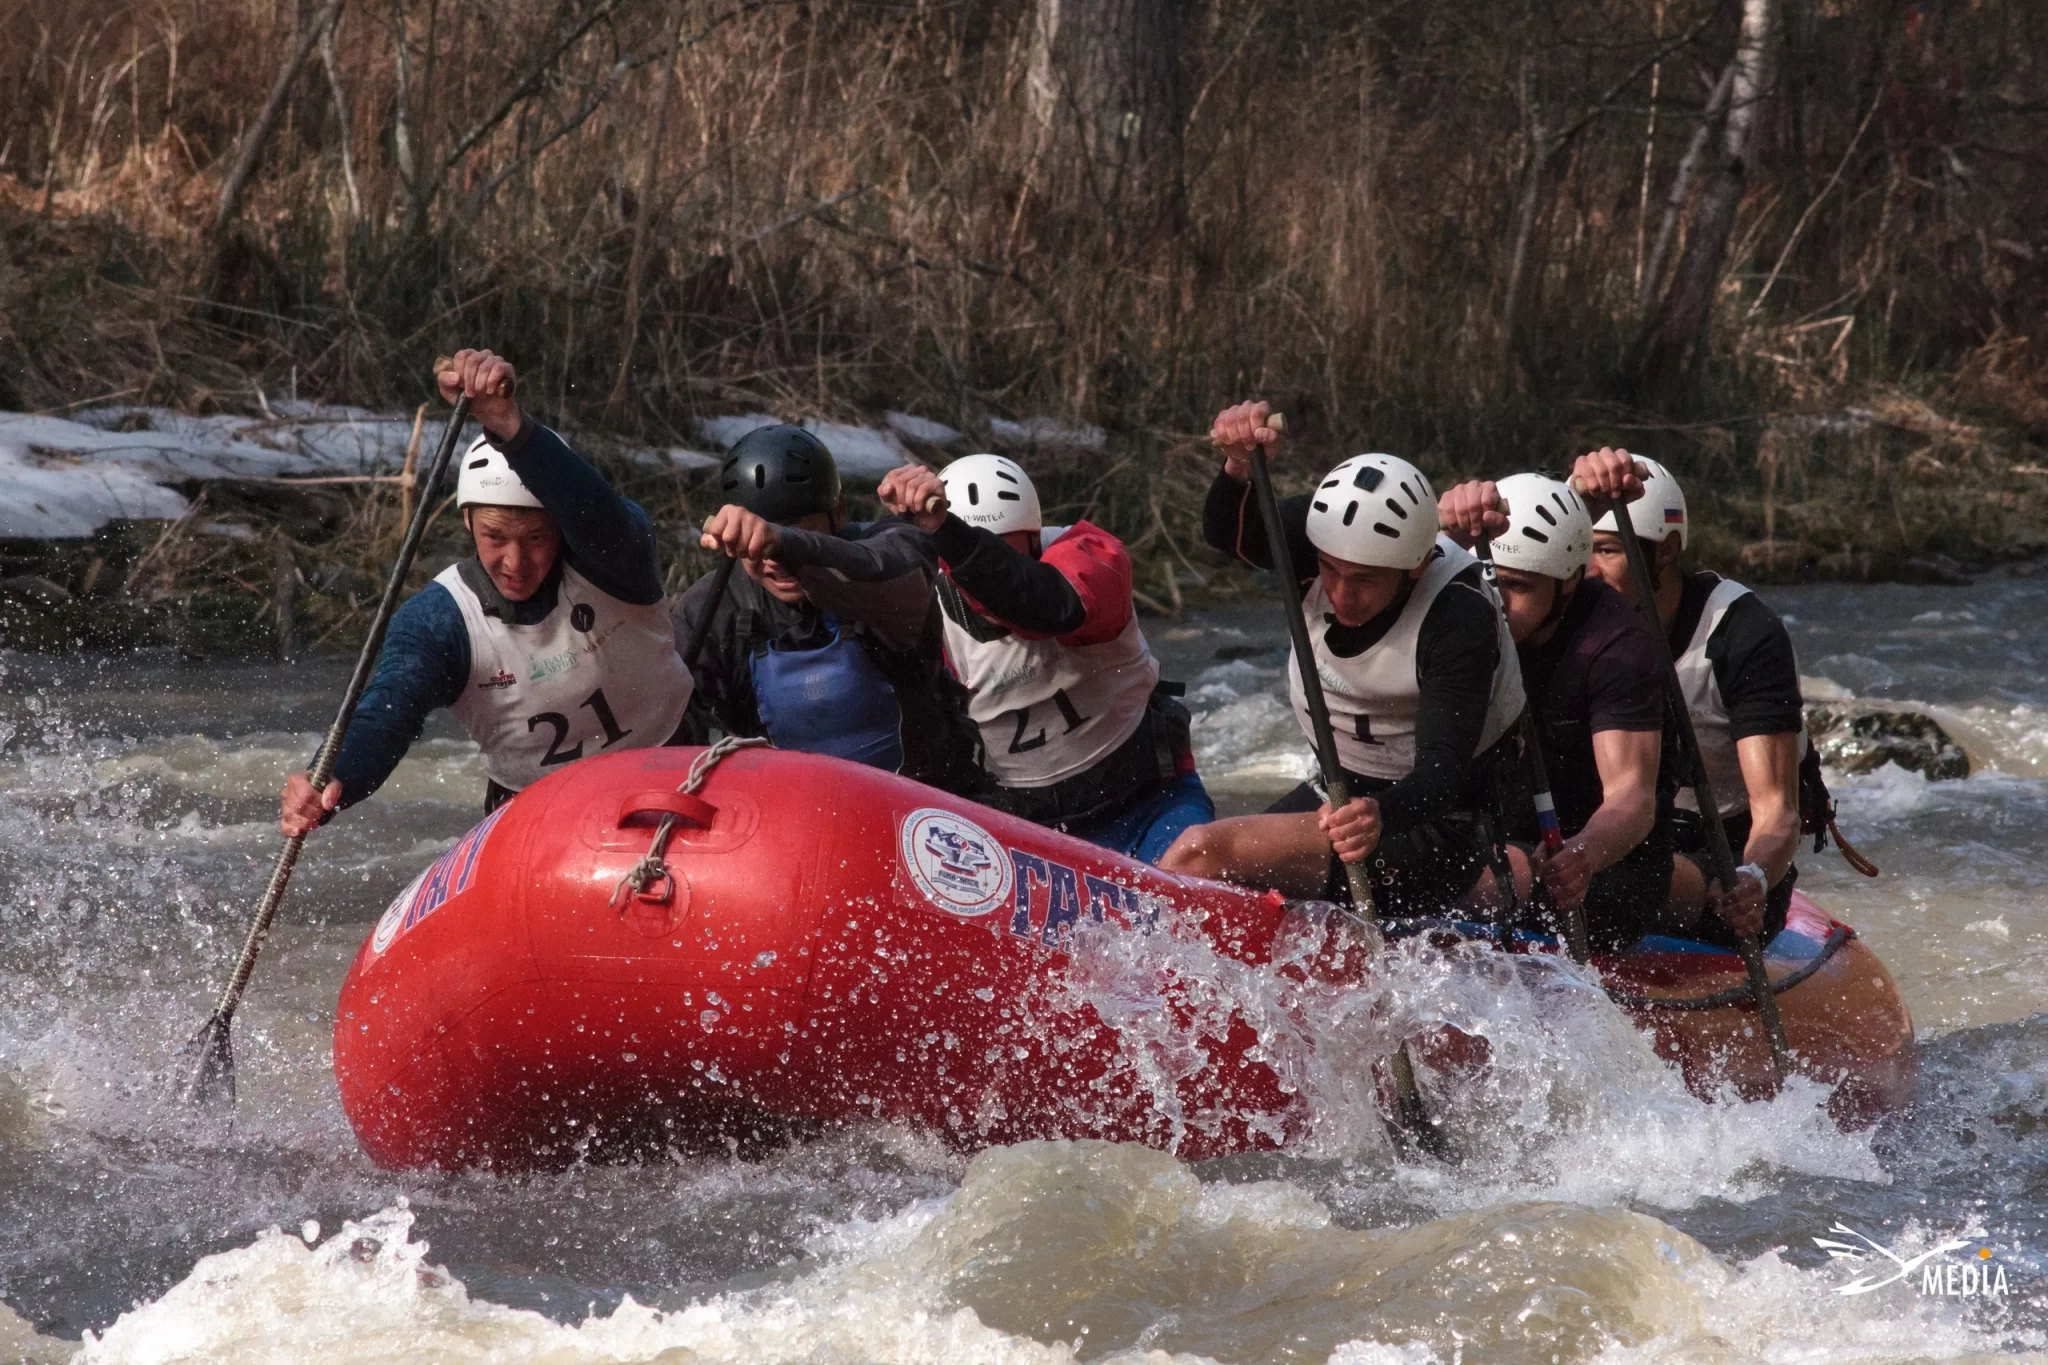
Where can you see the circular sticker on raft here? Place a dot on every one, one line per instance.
(393, 918)
(956, 863)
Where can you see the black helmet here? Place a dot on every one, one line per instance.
(780, 473)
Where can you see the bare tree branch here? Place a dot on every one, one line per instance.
(259, 133)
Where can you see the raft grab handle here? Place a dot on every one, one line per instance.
(667, 801)
(649, 879)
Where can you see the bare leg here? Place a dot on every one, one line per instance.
(1681, 913)
(1484, 897)
(1285, 852)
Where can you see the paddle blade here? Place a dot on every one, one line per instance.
(206, 1067)
(1417, 1130)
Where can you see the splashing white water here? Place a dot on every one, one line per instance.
(1057, 1252)
(1572, 1103)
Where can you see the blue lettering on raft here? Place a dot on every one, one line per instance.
(457, 865)
(1044, 916)
(1030, 867)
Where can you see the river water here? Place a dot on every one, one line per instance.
(1627, 1222)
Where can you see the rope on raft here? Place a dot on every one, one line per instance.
(1735, 995)
(653, 866)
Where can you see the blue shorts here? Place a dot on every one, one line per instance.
(1148, 829)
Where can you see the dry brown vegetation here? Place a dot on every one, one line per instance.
(1426, 228)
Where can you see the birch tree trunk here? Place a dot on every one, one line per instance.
(1676, 339)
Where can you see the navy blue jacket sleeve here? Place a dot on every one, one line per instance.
(608, 536)
(424, 664)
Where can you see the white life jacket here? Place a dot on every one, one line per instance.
(593, 674)
(1046, 710)
(1703, 701)
(1374, 697)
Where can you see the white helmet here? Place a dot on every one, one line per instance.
(1548, 529)
(1659, 513)
(1374, 509)
(992, 492)
(487, 480)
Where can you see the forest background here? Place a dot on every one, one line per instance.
(1798, 249)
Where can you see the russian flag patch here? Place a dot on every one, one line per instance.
(1674, 516)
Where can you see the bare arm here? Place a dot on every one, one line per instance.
(1770, 770)
(1627, 760)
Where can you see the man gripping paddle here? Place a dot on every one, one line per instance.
(550, 642)
(1077, 732)
(1414, 668)
(1741, 683)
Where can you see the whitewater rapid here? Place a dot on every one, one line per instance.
(1603, 1213)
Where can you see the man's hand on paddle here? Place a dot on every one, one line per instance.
(741, 534)
(492, 386)
(1471, 509)
(1565, 874)
(1237, 430)
(1353, 829)
(916, 494)
(1607, 478)
(1742, 912)
(305, 808)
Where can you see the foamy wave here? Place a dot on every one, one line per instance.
(369, 1294)
(1056, 1252)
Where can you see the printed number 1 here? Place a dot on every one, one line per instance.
(1068, 712)
(559, 723)
(1363, 729)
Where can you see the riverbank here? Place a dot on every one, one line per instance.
(269, 531)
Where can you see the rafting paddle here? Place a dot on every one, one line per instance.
(1411, 1118)
(209, 1060)
(1719, 854)
(1575, 940)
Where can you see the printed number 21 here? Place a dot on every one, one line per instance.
(1074, 719)
(556, 754)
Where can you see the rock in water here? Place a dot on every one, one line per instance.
(1858, 738)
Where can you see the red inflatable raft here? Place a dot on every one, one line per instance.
(832, 941)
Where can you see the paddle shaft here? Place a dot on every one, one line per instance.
(1718, 851)
(1304, 658)
(720, 578)
(330, 748)
(1411, 1117)
(1575, 937)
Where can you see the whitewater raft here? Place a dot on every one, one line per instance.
(823, 941)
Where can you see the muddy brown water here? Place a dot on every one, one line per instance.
(1608, 1214)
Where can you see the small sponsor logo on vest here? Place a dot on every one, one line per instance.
(956, 863)
(1014, 677)
(498, 681)
(1974, 1277)
(583, 616)
(551, 665)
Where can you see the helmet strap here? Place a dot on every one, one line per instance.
(1560, 598)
